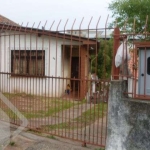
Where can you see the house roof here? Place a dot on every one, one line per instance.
(39, 32)
(4, 20)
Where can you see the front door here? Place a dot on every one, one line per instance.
(75, 73)
(144, 71)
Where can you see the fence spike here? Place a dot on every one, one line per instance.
(90, 22)
(52, 25)
(65, 25)
(73, 23)
(58, 25)
(33, 25)
(134, 26)
(81, 23)
(38, 25)
(98, 22)
(45, 24)
(145, 30)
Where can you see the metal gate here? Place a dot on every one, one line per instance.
(46, 75)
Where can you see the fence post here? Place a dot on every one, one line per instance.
(114, 128)
(116, 44)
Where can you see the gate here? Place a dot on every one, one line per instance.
(51, 78)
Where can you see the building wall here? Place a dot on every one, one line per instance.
(53, 64)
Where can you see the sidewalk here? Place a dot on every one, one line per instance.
(29, 141)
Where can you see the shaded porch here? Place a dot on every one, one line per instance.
(76, 66)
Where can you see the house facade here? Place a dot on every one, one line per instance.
(42, 62)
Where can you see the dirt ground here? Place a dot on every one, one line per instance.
(62, 116)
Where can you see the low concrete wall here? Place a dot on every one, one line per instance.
(128, 121)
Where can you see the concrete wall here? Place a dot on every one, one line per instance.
(128, 121)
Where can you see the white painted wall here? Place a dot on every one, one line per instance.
(53, 64)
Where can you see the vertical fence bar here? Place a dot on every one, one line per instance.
(79, 81)
(63, 75)
(56, 75)
(37, 83)
(50, 98)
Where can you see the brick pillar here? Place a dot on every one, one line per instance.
(115, 71)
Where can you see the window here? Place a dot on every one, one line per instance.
(148, 65)
(28, 62)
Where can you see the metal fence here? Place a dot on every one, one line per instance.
(47, 76)
(131, 62)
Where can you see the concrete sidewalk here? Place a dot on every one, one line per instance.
(30, 141)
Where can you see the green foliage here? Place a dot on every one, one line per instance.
(12, 143)
(92, 114)
(100, 149)
(104, 59)
(51, 137)
(128, 10)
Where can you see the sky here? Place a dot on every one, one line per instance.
(35, 11)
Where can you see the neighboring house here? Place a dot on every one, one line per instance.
(92, 34)
(4, 20)
(41, 61)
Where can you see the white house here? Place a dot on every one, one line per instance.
(42, 62)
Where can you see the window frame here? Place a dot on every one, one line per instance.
(27, 55)
(148, 65)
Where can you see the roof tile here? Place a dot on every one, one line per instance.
(4, 20)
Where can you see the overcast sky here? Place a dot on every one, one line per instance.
(41, 10)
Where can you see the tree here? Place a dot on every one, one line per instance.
(104, 59)
(128, 10)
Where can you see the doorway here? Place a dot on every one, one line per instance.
(144, 71)
(75, 73)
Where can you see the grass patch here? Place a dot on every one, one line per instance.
(55, 107)
(12, 143)
(51, 137)
(11, 114)
(88, 117)
(58, 105)
(32, 106)
(65, 125)
(92, 114)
